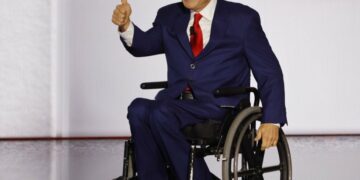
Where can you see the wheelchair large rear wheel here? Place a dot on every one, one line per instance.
(243, 158)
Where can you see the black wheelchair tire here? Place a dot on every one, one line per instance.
(237, 132)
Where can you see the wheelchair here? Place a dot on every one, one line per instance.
(231, 141)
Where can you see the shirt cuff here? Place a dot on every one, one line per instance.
(128, 35)
(276, 124)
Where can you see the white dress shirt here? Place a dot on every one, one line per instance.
(205, 22)
(205, 25)
(128, 35)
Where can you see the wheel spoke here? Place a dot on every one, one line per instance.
(247, 173)
(259, 171)
(259, 156)
(271, 168)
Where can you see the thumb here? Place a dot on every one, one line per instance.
(258, 135)
(124, 2)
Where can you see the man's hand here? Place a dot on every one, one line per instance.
(269, 133)
(121, 15)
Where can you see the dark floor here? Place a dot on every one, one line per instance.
(314, 158)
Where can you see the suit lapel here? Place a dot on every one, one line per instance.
(180, 28)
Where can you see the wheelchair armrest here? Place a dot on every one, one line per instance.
(154, 85)
(232, 91)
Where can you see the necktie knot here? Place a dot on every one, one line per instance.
(197, 18)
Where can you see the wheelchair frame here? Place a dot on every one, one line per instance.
(237, 131)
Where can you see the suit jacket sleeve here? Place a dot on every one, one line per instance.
(266, 70)
(146, 43)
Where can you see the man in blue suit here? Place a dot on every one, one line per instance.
(208, 44)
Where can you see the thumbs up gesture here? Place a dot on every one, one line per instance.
(121, 15)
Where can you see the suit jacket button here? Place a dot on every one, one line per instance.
(192, 66)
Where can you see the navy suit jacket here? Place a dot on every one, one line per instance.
(237, 45)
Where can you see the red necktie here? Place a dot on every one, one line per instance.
(196, 36)
(196, 41)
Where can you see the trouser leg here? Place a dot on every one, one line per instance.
(166, 120)
(149, 161)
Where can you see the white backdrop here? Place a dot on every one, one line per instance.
(25, 68)
(317, 43)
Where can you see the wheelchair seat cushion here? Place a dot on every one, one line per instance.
(206, 131)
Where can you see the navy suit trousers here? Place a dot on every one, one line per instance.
(156, 130)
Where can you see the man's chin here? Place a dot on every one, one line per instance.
(188, 4)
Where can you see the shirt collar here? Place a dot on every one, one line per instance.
(208, 12)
